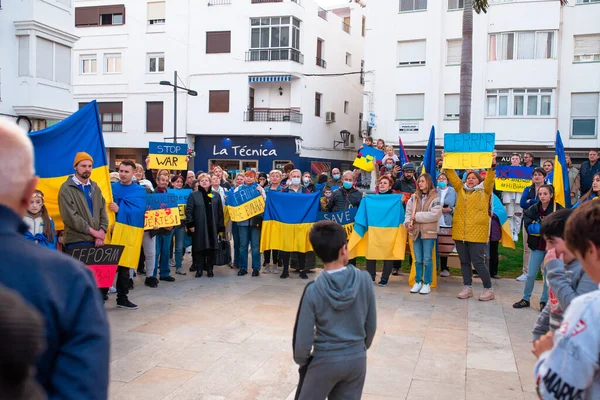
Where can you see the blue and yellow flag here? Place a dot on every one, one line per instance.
(468, 150)
(245, 202)
(287, 220)
(429, 162)
(498, 208)
(562, 192)
(55, 149)
(367, 158)
(129, 225)
(379, 232)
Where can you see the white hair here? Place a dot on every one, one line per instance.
(348, 172)
(16, 158)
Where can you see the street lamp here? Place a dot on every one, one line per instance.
(175, 87)
(344, 135)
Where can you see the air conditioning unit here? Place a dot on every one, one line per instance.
(329, 117)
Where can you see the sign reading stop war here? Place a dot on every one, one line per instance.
(103, 261)
(468, 150)
(171, 156)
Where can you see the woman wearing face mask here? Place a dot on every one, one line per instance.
(512, 201)
(549, 168)
(295, 186)
(307, 183)
(385, 187)
(594, 192)
(532, 219)
(529, 198)
(273, 186)
(345, 197)
(423, 212)
(470, 227)
(40, 227)
(448, 201)
(390, 168)
(204, 219)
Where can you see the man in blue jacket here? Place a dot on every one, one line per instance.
(74, 364)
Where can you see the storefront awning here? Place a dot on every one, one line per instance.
(270, 78)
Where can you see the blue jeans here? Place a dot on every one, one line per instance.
(535, 261)
(235, 231)
(179, 234)
(163, 248)
(423, 249)
(249, 235)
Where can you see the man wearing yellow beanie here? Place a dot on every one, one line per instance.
(82, 156)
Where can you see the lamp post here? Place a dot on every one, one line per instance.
(175, 87)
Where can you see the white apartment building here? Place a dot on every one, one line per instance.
(258, 67)
(36, 38)
(536, 70)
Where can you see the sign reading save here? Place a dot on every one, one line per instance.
(468, 150)
(171, 156)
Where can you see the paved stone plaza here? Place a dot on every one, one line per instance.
(230, 337)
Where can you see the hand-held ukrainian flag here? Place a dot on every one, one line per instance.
(244, 202)
(498, 209)
(379, 233)
(402, 152)
(129, 225)
(287, 220)
(429, 163)
(55, 149)
(368, 158)
(562, 192)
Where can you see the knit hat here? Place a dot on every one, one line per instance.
(408, 167)
(82, 156)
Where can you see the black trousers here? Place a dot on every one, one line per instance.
(444, 263)
(286, 260)
(203, 259)
(122, 284)
(492, 258)
(268, 254)
(387, 269)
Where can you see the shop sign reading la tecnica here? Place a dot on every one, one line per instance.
(243, 151)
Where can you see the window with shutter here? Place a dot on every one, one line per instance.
(410, 106)
(154, 116)
(411, 53)
(587, 48)
(451, 106)
(218, 42)
(218, 101)
(453, 55)
(87, 16)
(111, 115)
(584, 114)
(156, 13)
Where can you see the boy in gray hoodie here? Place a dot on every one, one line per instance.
(336, 319)
(564, 273)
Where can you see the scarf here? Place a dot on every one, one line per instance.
(476, 188)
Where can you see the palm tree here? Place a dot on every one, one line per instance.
(466, 63)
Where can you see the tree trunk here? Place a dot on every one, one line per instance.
(466, 69)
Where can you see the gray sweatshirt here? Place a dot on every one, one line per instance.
(565, 283)
(337, 316)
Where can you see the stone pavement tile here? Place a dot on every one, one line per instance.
(210, 317)
(493, 385)
(134, 364)
(402, 348)
(166, 323)
(425, 390)
(113, 386)
(123, 343)
(367, 396)
(486, 332)
(264, 314)
(401, 325)
(387, 377)
(279, 368)
(198, 356)
(154, 384)
(273, 390)
(234, 332)
(441, 366)
(489, 356)
(449, 340)
(448, 321)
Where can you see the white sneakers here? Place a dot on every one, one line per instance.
(445, 273)
(421, 288)
(522, 278)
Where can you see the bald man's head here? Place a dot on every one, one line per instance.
(17, 175)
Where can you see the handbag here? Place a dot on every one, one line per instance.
(223, 253)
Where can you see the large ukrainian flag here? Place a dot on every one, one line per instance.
(379, 232)
(287, 220)
(498, 209)
(55, 149)
(129, 226)
(562, 192)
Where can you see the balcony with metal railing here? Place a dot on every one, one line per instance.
(345, 27)
(275, 55)
(273, 115)
(321, 12)
(219, 2)
(321, 63)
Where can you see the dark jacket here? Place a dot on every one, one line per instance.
(586, 175)
(205, 214)
(536, 214)
(303, 190)
(529, 197)
(75, 362)
(405, 186)
(75, 212)
(343, 199)
(311, 187)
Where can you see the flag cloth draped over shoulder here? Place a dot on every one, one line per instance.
(129, 226)
(562, 192)
(379, 232)
(287, 221)
(498, 209)
(55, 149)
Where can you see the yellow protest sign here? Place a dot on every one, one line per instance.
(161, 218)
(247, 210)
(467, 160)
(171, 156)
(468, 150)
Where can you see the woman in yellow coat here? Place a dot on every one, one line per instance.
(471, 225)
